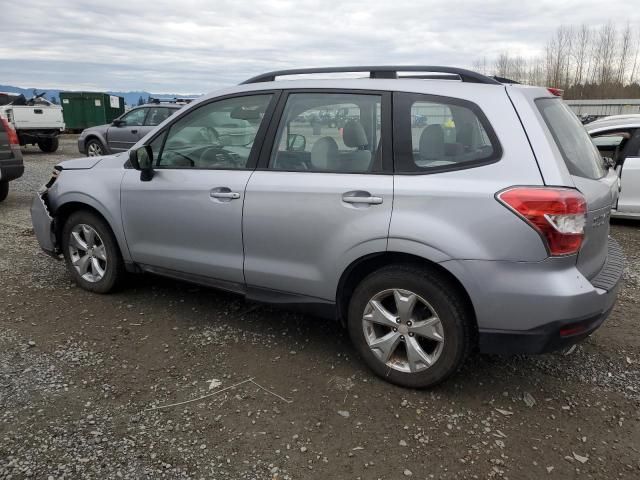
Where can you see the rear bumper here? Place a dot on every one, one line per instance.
(81, 145)
(43, 225)
(524, 307)
(550, 337)
(33, 136)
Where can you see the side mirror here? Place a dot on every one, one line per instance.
(296, 142)
(142, 159)
(117, 123)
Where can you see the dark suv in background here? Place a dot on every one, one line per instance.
(126, 130)
(11, 166)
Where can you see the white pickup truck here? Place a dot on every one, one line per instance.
(37, 121)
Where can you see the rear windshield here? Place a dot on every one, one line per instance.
(6, 99)
(579, 153)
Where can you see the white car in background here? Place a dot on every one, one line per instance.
(618, 139)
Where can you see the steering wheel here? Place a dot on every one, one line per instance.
(210, 135)
(222, 158)
(184, 161)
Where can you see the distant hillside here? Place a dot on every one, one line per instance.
(130, 98)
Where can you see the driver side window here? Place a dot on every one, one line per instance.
(218, 135)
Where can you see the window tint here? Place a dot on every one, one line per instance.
(580, 154)
(157, 115)
(134, 117)
(217, 135)
(328, 132)
(444, 135)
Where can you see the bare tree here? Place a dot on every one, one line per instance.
(580, 52)
(632, 76)
(502, 64)
(625, 47)
(587, 62)
(557, 55)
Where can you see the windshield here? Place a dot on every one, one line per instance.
(580, 155)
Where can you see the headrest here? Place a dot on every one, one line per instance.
(432, 143)
(323, 152)
(353, 135)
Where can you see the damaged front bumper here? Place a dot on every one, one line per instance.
(43, 225)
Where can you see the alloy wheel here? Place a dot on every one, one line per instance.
(87, 253)
(403, 330)
(94, 149)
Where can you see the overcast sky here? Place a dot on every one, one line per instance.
(196, 46)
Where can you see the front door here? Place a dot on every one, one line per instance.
(188, 218)
(126, 132)
(321, 197)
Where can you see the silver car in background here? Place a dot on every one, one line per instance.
(121, 134)
(432, 214)
(618, 139)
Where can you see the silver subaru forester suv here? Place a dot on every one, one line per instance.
(432, 210)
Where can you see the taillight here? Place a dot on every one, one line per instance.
(558, 214)
(11, 133)
(558, 92)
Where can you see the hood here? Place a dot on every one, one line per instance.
(117, 160)
(83, 163)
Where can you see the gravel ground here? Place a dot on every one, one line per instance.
(84, 380)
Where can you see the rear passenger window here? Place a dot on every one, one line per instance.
(325, 132)
(157, 115)
(445, 134)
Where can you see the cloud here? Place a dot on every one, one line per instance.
(196, 46)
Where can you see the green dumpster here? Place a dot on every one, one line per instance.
(82, 110)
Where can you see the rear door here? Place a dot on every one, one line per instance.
(323, 192)
(590, 175)
(127, 133)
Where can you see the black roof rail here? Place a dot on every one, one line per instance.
(379, 72)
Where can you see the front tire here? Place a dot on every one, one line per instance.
(4, 190)
(91, 252)
(95, 148)
(48, 145)
(410, 325)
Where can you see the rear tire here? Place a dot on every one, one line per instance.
(48, 145)
(91, 252)
(4, 190)
(94, 148)
(410, 325)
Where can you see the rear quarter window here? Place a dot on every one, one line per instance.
(435, 134)
(578, 151)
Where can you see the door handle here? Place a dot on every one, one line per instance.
(361, 197)
(227, 195)
(134, 131)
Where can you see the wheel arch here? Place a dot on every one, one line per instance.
(95, 136)
(64, 211)
(365, 265)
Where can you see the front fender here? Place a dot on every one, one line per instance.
(101, 136)
(100, 193)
